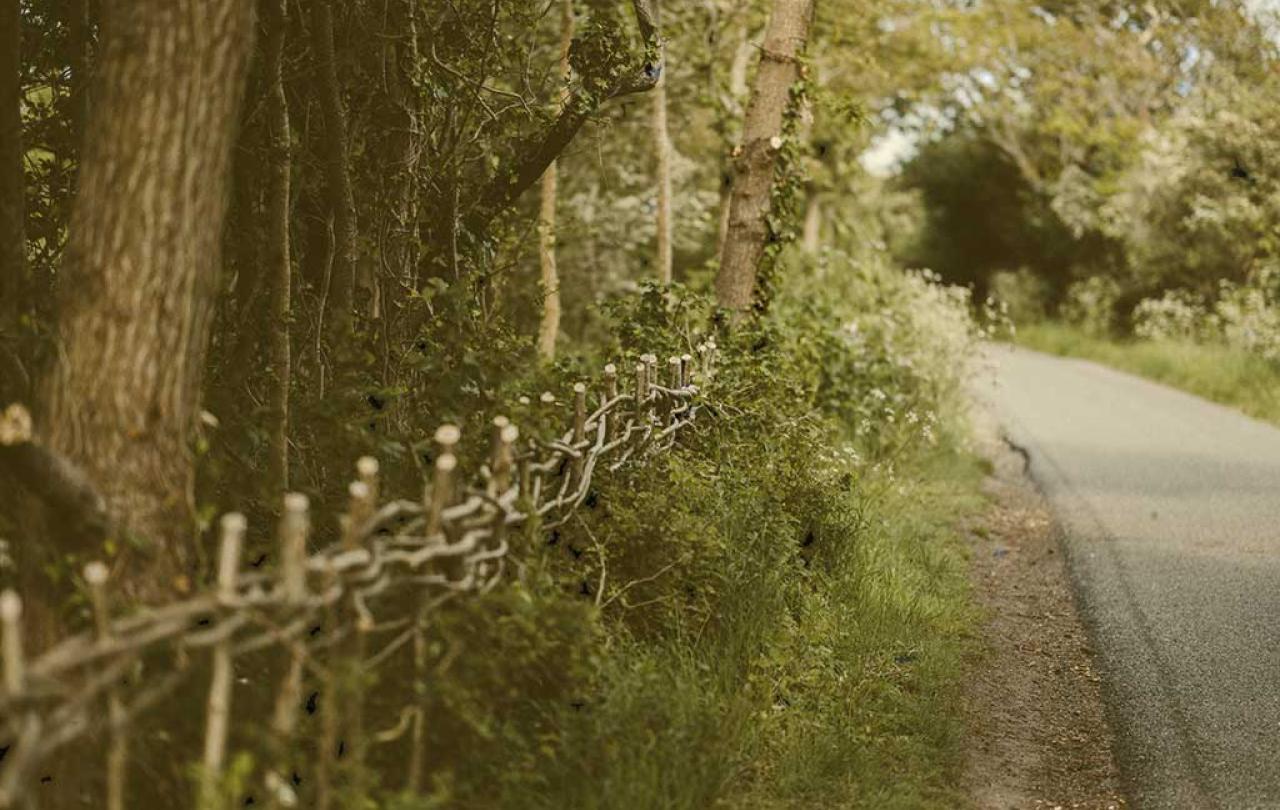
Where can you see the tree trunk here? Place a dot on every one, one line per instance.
(549, 327)
(812, 239)
(342, 205)
(80, 43)
(662, 150)
(400, 64)
(141, 266)
(737, 89)
(13, 241)
(756, 157)
(278, 264)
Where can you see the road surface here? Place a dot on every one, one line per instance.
(1171, 509)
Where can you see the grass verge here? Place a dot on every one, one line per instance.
(1219, 373)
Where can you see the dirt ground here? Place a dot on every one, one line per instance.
(1038, 734)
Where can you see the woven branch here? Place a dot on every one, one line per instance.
(436, 547)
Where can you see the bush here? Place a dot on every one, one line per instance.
(1091, 305)
(762, 616)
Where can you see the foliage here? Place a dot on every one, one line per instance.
(765, 615)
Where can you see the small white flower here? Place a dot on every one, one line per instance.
(775, 142)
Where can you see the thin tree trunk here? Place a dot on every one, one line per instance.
(662, 145)
(278, 264)
(812, 239)
(400, 64)
(757, 156)
(80, 43)
(549, 328)
(13, 241)
(662, 150)
(737, 89)
(337, 170)
(141, 267)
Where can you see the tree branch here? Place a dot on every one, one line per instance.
(61, 485)
(505, 188)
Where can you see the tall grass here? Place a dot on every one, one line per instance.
(1216, 372)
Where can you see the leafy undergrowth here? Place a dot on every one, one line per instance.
(1224, 374)
(774, 614)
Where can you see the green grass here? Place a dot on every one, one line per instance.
(852, 702)
(1219, 373)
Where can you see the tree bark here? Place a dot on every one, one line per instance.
(140, 274)
(277, 255)
(549, 327)
(342, 205)
(13, 240)
(756, 162)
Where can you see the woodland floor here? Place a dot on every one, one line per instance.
(1038, 733)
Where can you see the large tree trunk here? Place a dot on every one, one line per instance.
(549, 327)
(278, 265)
(757, 156)
(13, 240)
(662, 153)
(342, 204)
(142, 263)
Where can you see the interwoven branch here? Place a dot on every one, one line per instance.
(439, 547)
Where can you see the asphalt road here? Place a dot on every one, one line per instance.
(1171, 509)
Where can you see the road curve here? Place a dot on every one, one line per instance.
(1171, 510)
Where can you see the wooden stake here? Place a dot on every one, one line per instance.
(95, 575)
(642, 389)
(15, 676)
(610, 393)
(218, 713)
(295, 525)
(579, 427)
(14, 662)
